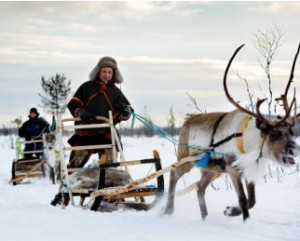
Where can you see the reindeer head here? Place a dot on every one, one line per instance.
(278, 138)
(49, 140)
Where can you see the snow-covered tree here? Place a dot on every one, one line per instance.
(56, 90)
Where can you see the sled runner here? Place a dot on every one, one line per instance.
(34, 167)
(107, 173)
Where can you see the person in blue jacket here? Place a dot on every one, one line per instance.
(32, 130)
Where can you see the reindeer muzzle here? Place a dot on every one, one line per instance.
(292, 150)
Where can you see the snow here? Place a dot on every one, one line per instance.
(26, 213)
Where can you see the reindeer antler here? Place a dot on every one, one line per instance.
(258, 104)
(258, 115)
(231, 100)
(283, 97)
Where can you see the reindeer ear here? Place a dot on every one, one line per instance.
(263, 126)
(291, 120)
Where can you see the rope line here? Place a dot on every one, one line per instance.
(159, 131)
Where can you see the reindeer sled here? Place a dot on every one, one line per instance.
(35, 166)
(106, 174)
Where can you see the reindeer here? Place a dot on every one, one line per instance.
(248, 141)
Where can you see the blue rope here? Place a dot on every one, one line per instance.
(202, 160)
(159, 131)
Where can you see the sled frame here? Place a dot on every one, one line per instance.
(137, 193)
(108, 123)
(38, 166)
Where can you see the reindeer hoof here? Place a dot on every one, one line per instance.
(232, 211)
(168, 211)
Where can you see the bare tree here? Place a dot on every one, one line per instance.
(194, 102)
(251, 106)
(171, 122)
(148, 126)
(267, 43)
(17, 121)
(12, 129)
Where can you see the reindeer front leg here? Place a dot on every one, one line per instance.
(175, 175)
(251, 194)
(243, 202)
(171, 194)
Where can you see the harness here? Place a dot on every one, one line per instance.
(239, 135)
(242, 128)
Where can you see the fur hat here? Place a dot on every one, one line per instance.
(107, 62)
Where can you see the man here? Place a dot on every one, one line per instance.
(32, 130)
(95, 97)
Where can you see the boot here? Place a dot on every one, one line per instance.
(66, 199)
(57, 200)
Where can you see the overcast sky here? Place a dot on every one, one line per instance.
(164, 51)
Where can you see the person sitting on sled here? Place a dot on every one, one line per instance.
(32, 130)
(96, 97)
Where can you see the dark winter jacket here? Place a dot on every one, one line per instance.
(97, 98)
(34, 127)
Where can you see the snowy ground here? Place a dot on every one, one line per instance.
(25, 212)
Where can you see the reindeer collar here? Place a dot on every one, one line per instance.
(242, 127)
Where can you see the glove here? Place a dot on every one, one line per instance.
(86, 116)
(126, 113)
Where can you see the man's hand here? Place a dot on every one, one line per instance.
(86, 116)
(126, 113)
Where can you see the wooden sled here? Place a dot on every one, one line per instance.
(30, 168)
(134, 198)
